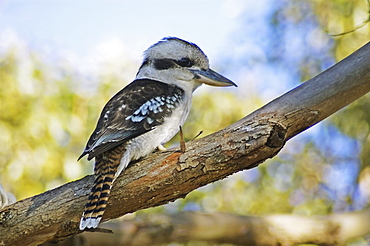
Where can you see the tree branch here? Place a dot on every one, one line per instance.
(164, 177)
(270, 230)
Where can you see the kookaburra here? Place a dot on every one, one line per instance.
(145, 114)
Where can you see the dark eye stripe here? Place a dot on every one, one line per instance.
(162, 64)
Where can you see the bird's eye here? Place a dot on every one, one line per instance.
(185, 62)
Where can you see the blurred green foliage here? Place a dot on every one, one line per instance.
(350, 22)
(339, 17)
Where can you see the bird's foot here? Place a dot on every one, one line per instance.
(182, 141)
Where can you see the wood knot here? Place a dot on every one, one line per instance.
(5, 217)
(277, 136)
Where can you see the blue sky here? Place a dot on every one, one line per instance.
(81, 26)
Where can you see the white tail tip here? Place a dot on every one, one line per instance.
(89, 222)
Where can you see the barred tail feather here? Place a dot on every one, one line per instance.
(106, 166)
(97, 203)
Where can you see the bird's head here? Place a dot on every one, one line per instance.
(176, 61)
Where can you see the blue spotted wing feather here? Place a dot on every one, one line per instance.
(138, 108)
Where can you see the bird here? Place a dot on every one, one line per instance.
(144, 115)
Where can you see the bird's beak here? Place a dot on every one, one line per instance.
(210, 77)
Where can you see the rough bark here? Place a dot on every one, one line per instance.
(164, 177)
(221, 228)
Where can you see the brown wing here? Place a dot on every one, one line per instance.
(136, 109)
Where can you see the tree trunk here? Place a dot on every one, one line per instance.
(167, 176)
